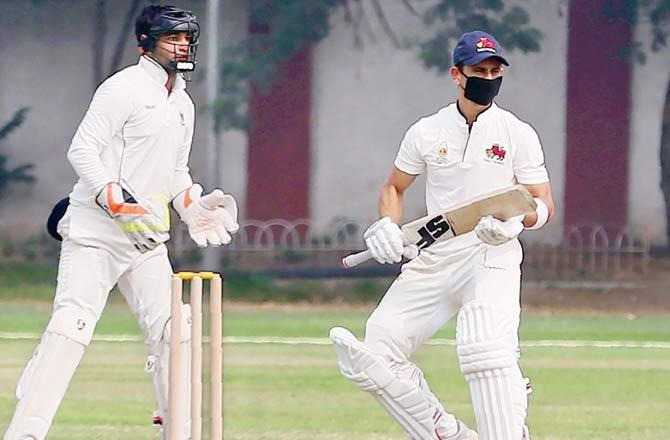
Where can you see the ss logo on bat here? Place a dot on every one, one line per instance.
(432, 230)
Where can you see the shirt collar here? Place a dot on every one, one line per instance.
(484, 116)
(158, 73)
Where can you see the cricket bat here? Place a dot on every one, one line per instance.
(460, 219)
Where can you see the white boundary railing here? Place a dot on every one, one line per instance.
(279, 234)
(592, 248)
(586, 249)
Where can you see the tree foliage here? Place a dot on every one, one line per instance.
(452, 18)
(280, 30)
(22, 172)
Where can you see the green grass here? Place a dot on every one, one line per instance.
(295, 392)
(30, 281)
(32, 316)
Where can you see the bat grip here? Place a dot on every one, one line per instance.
(352, 260)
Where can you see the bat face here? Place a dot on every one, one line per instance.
(502, 204)
(427, 230)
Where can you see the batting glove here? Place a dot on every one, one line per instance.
(142, 226)
(211, 219)
(384, 240)
(495, 232)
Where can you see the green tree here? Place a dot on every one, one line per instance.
(279, 30)
(22, 172)
(508, 22)
(282, 29)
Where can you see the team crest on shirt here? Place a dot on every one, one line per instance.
(442, 153)
(496, 154)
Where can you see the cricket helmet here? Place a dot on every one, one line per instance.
(158, 20)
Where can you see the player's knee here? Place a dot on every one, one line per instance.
(158, 357)
(185, 326)
(385, 340)
(156, 333)
(387, 337)
(73, 323)
(483, 344)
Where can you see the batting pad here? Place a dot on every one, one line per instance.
(47, 376)
(489, 364)
(404, 399)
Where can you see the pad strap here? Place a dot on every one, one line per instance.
(73, 323)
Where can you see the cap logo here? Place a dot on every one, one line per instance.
(485, 45)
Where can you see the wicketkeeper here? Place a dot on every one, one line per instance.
(466, 149)
(131, 154)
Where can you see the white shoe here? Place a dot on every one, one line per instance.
(464, 433)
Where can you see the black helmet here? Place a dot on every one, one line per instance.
(158, 20)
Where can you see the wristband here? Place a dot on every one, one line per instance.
(542, 215)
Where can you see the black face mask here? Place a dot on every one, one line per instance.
(480, 90)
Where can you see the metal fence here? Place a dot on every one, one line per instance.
(591, 250)
(280, 246)
(295, 247)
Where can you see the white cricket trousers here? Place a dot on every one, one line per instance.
(484, 282)
(92, 262)
(95, 256)
(432, 288)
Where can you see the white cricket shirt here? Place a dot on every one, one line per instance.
(134, 132)
(461, 163)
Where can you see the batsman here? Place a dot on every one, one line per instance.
(466, 149)
(131, 154)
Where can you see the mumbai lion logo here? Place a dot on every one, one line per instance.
(485, 45)
(496, 152)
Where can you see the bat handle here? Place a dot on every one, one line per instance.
(352, 260)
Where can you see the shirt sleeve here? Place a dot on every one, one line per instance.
(182, 179)
(108, 112)
(529, 165)
(409, 158)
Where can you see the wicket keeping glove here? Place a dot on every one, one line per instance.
(495, 232)
(144, 228)
(211, 218)
(385, 241)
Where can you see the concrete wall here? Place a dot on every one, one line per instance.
(646, 209)
(49, 68)
(365, 99)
